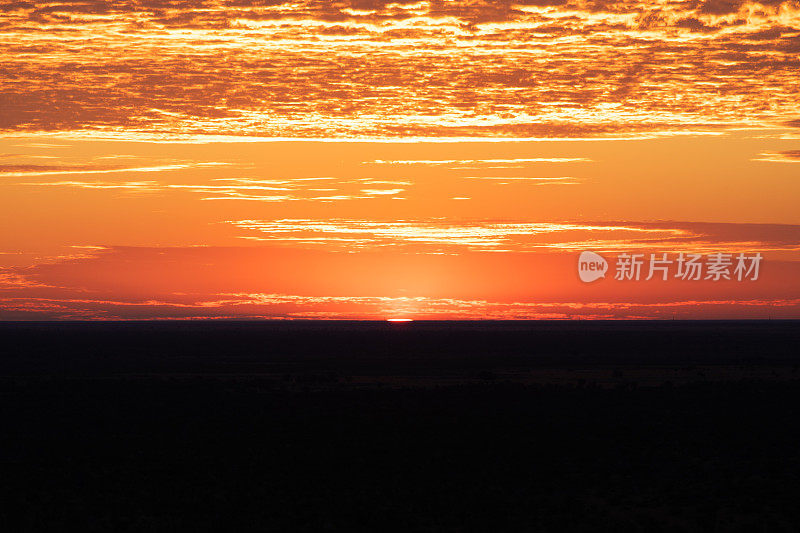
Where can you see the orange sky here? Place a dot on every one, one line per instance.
(372, 159)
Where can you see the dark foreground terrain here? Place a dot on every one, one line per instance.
(565, 426)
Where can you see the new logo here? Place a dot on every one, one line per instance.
(591, 267)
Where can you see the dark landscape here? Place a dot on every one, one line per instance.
(423, 426)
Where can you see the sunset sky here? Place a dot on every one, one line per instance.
(379, 160)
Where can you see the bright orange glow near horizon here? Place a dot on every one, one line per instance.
(369, 159)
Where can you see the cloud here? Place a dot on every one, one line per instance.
(16, 171)
(293, 307)
(125, 185)
(381, 192)
(521, 69)
(725, 7)
(246, 189)
(438, 236)
(787, 156)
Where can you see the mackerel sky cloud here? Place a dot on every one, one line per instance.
(547, 68)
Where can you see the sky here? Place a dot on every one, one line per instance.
(381, 160)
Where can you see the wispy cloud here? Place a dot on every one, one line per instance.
(434, 236)
(18, 171)
(381, 192)
(125, 185)
(789, 156)
(248, 189)
(288, 306)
